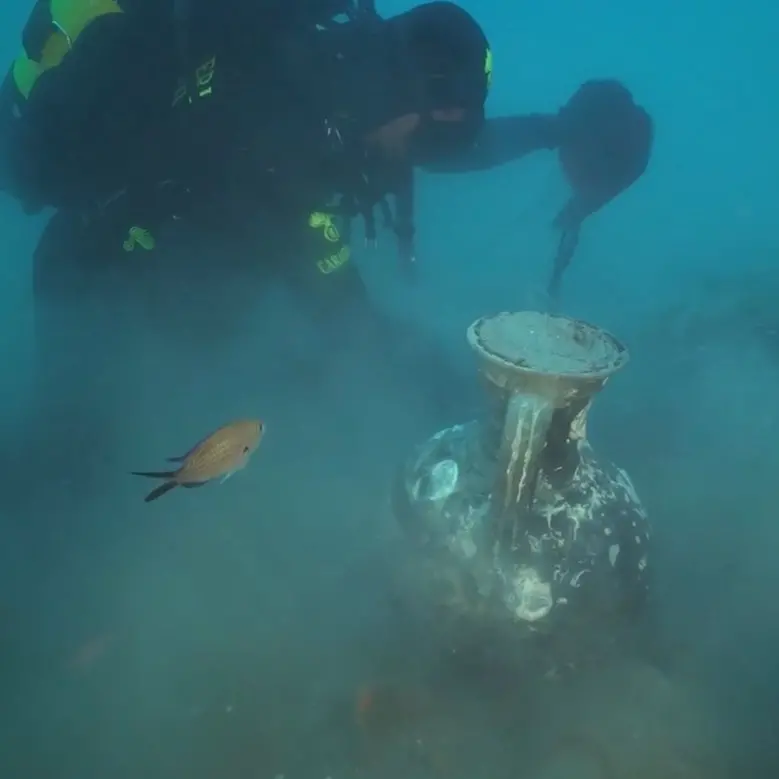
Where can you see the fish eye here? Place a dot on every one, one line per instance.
(245, 449)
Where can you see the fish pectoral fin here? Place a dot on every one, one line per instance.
(155, 474)
(191, 485)
(226, 477)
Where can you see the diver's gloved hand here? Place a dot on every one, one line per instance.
(605, 141)
(604, 144)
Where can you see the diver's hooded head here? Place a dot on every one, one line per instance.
(449, 63)
(416, 82)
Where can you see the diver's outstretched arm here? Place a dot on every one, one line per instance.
(503, 139)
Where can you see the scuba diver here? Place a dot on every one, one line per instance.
(603, 138)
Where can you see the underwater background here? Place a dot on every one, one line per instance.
(232, 632)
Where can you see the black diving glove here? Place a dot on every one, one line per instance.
(605, 142)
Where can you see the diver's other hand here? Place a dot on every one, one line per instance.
(605, 142)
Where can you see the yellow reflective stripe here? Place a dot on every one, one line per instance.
(139, 236)
(70, 18)
(25, 74)
(326, 222)
(335, 261)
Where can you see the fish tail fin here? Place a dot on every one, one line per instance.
(163, 488)
(160, 491)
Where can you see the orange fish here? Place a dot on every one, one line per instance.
(218, 456)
